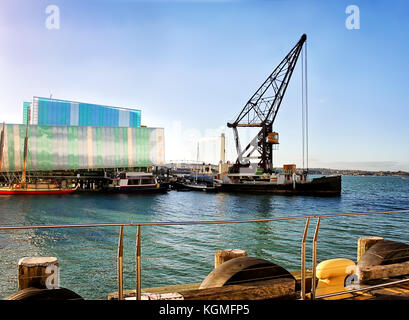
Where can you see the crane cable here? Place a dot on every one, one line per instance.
(306, 103)
(302, 107)
(304, 93)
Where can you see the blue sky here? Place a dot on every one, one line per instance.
(192, 65)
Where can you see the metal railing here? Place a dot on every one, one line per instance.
(139, 243)
(359, 287)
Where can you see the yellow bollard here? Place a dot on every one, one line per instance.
(331, 276)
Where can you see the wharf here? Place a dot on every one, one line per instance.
(180, 288)
(380, 270)
(398, 291)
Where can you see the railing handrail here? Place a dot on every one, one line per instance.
(139, 225)
(203, 222)
(361, 289)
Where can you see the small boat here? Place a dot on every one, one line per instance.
(136, 182)
(27, 187)
(196, 186)
(198, 180)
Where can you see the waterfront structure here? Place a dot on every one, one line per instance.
(81, 147)
(48, 111)
(26, 112)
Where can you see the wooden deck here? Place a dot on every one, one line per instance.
(195, 286)
(392, 292)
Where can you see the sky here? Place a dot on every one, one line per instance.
(191, 66)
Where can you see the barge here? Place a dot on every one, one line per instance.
(290, 182)
(323, 186)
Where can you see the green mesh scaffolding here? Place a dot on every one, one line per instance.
(73, 147)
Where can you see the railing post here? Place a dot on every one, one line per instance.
(120, 264)
(304, 238)
(138, 263)
(314, 259)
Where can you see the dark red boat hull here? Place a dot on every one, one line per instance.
(22, 191)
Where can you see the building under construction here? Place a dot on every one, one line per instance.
(78, 141)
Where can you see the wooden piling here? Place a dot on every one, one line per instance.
(227, 254)
(364, 243)
(33, 272)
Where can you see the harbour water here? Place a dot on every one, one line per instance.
(185, 253)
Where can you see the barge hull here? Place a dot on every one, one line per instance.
(324, 186)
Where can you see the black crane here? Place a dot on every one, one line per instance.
(261, 111)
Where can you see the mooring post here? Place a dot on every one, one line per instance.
(138, 264)
(364, 243)
(304, 238)
(38, 272)
(222, 256)
(120, 263)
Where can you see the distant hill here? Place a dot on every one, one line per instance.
(351, 172)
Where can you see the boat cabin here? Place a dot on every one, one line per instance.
(134, 179)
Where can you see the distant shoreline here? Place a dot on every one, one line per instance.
(359, 172)
(321, 171)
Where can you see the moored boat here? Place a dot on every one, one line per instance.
(136, 182)
(285, 184)
(187, 186)
(43, 188)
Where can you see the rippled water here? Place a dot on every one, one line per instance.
(185, 254)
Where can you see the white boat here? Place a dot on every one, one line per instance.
(136, 182)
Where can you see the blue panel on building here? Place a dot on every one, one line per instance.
(61, 112)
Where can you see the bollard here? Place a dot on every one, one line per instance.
(364, 243)
(227, 254)
(332, 276)
(38, 272)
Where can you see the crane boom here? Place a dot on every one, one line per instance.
(261, 110)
